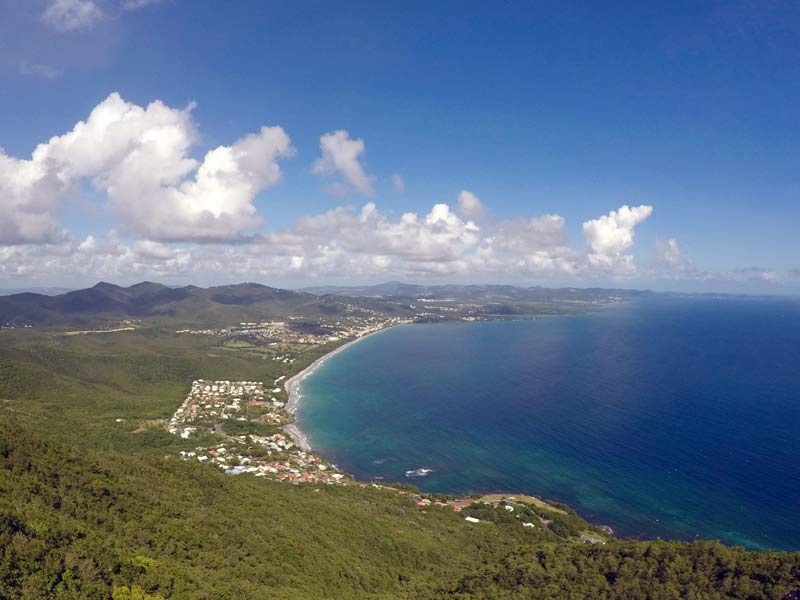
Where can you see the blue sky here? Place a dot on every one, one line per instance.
(567, 109)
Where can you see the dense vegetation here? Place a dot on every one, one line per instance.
(77, 525)
(95, 504)
(634, 570)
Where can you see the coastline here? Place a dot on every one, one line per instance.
(292, 386)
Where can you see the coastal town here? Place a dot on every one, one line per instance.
(285, 341)
(238, 427)
(248, 427)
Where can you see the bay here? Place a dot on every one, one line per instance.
(668, 417)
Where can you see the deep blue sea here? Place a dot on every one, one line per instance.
(673, 418)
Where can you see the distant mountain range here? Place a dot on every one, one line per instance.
(191, 304)
(251, 301)
(47, 291)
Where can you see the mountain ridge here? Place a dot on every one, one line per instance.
(254, 301)
(149, 299)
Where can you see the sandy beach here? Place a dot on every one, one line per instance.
(292, 386)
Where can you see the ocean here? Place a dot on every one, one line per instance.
(664, 417)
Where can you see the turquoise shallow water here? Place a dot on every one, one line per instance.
(677, 418)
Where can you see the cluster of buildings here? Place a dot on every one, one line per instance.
(211, 402)
(296, 331)
(15, 325)
(267, 332)
(359, 327)
(497, 501)
(273, 457)
(284, 341)
(258, 445)
(269, 453)
(273, 454)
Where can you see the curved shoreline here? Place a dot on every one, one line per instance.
(292, 386)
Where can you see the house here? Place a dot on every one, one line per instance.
(472, 520)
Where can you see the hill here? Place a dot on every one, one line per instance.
(190, 304)
(93, 525)
(96, 503)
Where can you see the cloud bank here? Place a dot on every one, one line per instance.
(176, 214)
(342, 242)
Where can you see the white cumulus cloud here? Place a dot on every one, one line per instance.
(29, 191)
(153, 250)
(609, 238)
(341, 157)
(343, 242)
(439, 236)
(177, 214)
(531, 246)
(139, 157)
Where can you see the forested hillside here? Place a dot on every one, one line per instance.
(95, 503)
